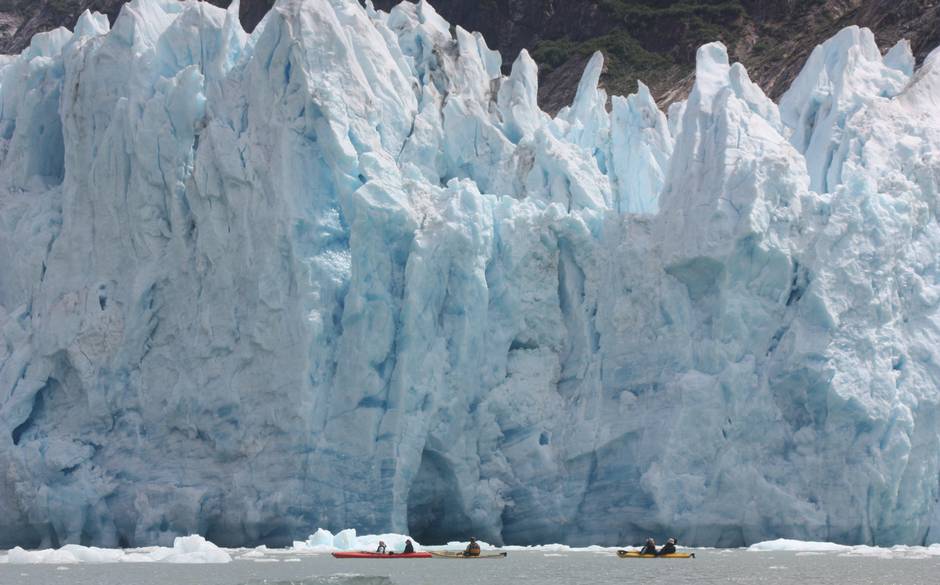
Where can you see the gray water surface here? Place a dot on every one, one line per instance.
(519, 568)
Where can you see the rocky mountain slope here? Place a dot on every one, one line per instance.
(651, 40)
(656, 40)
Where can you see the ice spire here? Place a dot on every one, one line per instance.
(840, 76)
(641, 146)
(518, 99)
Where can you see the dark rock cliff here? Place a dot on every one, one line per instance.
(651, 40)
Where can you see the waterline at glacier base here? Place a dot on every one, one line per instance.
(344, 272)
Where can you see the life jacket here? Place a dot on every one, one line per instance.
(473, 550)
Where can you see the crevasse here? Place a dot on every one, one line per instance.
(344, 272)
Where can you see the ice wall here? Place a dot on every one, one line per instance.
(343, 272)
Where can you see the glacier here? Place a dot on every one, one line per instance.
(344, 272)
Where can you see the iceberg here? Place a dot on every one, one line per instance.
(343, 272)
(785, 545)
(324, 541)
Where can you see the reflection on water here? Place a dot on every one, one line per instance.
(337, 579)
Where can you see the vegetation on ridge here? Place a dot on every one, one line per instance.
(652, 40)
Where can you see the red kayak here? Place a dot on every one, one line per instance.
(375, 555)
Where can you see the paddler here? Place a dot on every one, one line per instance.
(473, 549)
(409, 548)
(649, 548)
(381, 548)
(669, 547)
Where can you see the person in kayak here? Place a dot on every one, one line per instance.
(668, 548)
(381, 548)
(473, 549)
(409, 548)
(649, 548)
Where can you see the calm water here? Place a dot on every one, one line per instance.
(520, 568)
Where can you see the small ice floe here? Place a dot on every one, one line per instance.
(186, 549)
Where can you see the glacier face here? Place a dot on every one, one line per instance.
(342, 272)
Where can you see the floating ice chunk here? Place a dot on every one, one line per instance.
(192, 549)
(802, 548)
(345, 539)
(252, 554)
(186, 550)
(324, 541)
(321, 537)
(783, 544)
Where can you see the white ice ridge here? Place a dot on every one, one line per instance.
(324, 541)
(898, 551)
(191, 549)
(344, 272)
(194, 549)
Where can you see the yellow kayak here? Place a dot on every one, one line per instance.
(458, 554)
(632, 554)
